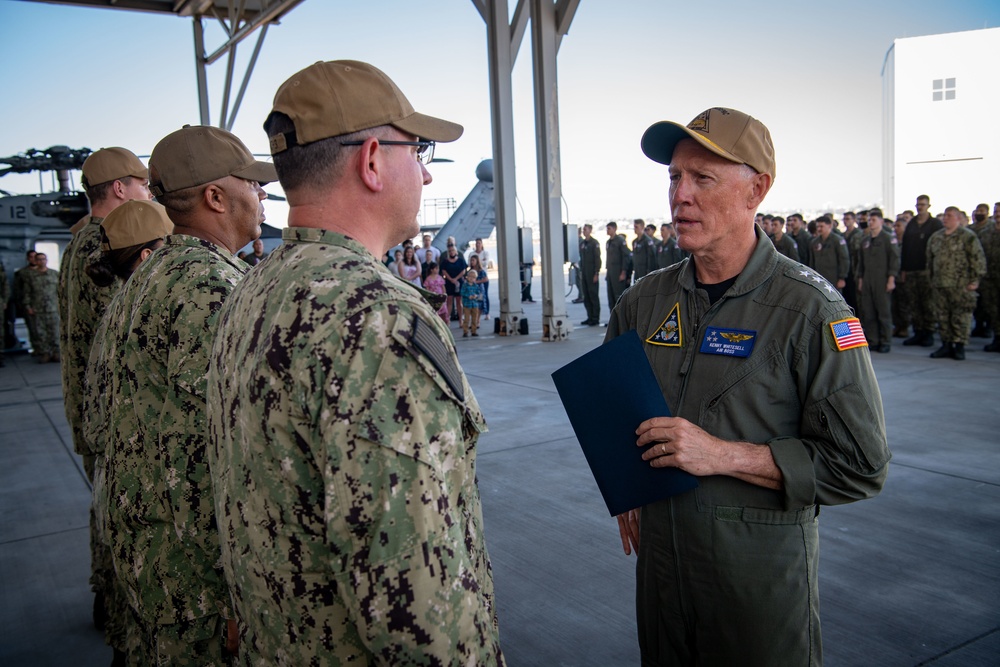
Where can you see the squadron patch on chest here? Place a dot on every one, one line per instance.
(669, 333)
(728, 342)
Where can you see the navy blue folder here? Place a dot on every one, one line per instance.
(607, 393)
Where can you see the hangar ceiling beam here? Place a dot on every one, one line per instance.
(237, 25)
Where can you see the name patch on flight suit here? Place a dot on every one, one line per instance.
(669, 333)
(728, 342)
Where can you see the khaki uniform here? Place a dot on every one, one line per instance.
(954, 261)
(345, 434)
(161, 514)
(727, 573)
(41, 294)
(830, 258)
(590, 268)
(878, 258)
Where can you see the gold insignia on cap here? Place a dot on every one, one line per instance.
(700, 122)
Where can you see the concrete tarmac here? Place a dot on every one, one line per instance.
(909, 578)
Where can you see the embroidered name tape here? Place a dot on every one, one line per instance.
(728, 342)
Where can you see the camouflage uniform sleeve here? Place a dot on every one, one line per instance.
(96, 390)
(4, 286)
(62, 293)
(977, 259)
(841, 454)
(399, 445)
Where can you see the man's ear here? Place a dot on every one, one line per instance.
(119, 189)
(761, 186)
(370, 165)
(215, 198)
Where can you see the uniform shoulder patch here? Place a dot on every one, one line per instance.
(669, 332)
(805, 275)
(428, 342)
(848, 334)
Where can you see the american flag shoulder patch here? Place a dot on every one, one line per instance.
(848, 334)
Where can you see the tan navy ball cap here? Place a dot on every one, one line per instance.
(199, 154)
(328, 99)
(135, 222)
(728, 133)
(110, 164)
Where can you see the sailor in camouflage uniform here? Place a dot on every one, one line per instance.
(42, 304)
(21, 277)
(161, 519)
(129, 235)
(344, 426)
(111, 177)
(955, 264)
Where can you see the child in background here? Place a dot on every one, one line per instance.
(472, 298)
(435, 283)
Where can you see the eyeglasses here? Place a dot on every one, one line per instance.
(425, 149)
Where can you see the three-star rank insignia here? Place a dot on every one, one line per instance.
(669, 332)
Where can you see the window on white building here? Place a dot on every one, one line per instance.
(944, 89)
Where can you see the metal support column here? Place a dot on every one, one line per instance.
(200, 64)
(555, 318)
(502, 50)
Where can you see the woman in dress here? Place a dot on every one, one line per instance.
(409, 268)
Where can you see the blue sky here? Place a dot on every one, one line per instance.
(811, 71)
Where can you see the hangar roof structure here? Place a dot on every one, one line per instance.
(550, 21)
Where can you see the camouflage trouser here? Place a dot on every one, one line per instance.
(197, 643)
(102, 568)
(953, 308)
(900, 307)
(119, 614)
(45, 333)
(919, 294)
(29, 322)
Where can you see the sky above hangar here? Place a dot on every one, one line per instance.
(810, 71)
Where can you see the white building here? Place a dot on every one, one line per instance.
(941, 121)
